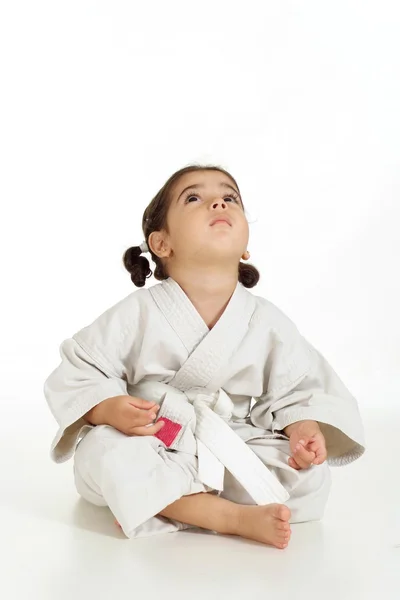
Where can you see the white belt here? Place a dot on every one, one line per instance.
(218, 446)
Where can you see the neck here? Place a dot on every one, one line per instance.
(209, 289)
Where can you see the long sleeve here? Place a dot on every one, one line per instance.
(96, 364)
(303, 386)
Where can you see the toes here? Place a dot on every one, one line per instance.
(280, 511)
(282, 539)
(283, 512)
(283, 535)
(282, 542)
(283, 526)
(282, 545)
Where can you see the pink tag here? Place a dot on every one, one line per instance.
(169, 432)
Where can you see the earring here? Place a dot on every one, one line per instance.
(246, 255)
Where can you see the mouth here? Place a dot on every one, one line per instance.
(221, 220)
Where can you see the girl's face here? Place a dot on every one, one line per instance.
(206, 220)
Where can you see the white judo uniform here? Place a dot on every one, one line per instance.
(225, 394)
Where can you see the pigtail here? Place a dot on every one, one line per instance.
(248, 275)
(138, 266)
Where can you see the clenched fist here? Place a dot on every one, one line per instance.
(130, 415)
(307, 444)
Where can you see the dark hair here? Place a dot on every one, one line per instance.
(155, 219)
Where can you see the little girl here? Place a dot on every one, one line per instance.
(195, 402)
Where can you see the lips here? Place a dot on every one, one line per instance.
(220, 220)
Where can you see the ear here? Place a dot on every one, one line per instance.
(246, 255)
(158, 244)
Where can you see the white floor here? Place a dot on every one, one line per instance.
(56, 546)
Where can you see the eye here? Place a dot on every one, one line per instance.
(188, 198)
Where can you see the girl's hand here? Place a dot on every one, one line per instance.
(130, 415)
(307, 444)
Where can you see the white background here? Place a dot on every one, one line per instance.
(102, 101)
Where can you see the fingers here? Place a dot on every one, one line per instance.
(298, 463)
(303, 454)
(292, 463)
(302, 457)
(142, 417)
(143, 404)
(318, 446)
(321, 456)
(313, 446)
(152, 430)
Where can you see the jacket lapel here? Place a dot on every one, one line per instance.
(209, 350)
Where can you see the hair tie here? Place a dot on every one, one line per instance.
(144, 247)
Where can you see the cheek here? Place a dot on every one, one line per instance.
(245, 229)
(182, 227)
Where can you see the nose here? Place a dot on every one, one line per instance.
(220, 203)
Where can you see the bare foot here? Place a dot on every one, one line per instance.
(267, 524)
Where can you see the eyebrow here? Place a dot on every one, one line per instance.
(201, 185)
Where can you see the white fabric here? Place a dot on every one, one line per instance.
(156, 336)
(208, 436)
(231, 453)
(137, 478)
(144, 247)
